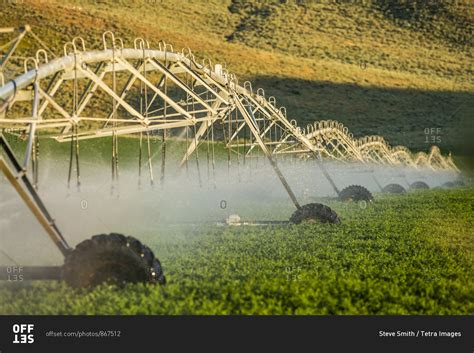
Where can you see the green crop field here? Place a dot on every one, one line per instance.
(410, 254)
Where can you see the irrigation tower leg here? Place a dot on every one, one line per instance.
(321, 166)
(29, 195)
(377, 182)
(249, 120)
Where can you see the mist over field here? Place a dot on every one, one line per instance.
(127, 206)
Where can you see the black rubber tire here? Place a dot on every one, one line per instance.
(394, 189)
(458, 183)
(315, 212)
(355, 193)
(112, 258)
(449, 184)
(419, 185)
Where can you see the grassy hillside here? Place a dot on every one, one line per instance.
(381, 68)
(405, 38)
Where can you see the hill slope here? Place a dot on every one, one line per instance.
(379, 68)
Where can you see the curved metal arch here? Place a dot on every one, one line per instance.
(335, 140)
(330, 137)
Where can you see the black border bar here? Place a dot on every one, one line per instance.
(240, 333)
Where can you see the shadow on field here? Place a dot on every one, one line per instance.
(401, 116)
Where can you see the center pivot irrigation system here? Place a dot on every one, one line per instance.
(115, 91)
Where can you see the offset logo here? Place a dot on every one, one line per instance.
(23, 333)
(15, 274)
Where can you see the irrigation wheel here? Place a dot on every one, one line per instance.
(449, 184)
(313, 213)
(355, 193)
(419, 185)
(394, 189)
(112, 258)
